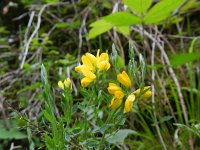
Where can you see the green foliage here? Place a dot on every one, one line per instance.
(161, 11)
(119, 136)
(138, 6)
(11, 133)
(82, 118)
(122, 20)
(183, 58)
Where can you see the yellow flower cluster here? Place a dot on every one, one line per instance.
(66, 84)
(118, 93)
(90, 65)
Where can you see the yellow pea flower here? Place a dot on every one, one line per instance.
(61, 85)
(79, 68)
(103, 65)
(117, 99)
(67, 83)
(87, 73)
(92, 58)
(85, 82)
(88, 63)
(147, 93)
(129, 103)
(115, 103)
(112, 88)
(102, 61)
(103, 57)
(124, 79)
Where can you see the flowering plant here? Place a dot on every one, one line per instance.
(96, 115)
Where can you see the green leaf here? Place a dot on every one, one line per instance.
(47, 116)
(122, 19)
(12, 133)
(31, 143)
(92, 143)
(116, 19)
(120, 62)
(161, 11)
(120, 136)
(180, 59)
(191, 4)
(99, 27)
(124, 30)
(138, 6)
(69, 25)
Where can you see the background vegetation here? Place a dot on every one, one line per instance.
(57, 33)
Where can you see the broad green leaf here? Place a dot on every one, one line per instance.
(161, 11)
(100, 23)
(180, 59)
(116, 19)
(12, 133)
(122, 19)
(92, 143)
(120, 136)
(138, 6)
(99, 27)
(124, 30)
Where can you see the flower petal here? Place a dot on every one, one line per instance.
(115, 103)
(86, 72)
(92, 58)
(61, 85)
(68, 83)
(119, 94)
(103, 57)
(146, 92)
(103, 65)
(87, 62)
(112, 88)
(124, 79)
(129, 103)
(85, 82)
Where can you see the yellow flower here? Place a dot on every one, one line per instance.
(129, 103)
(87, 73)
(61, 85)
(112, 88)
(124, 79)
(117, 99)
(102, 61)
(103, 65)
(147, 92)
(92, 58)
(68, 83)
(88, 63)
(85, 82)
(79, 68)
